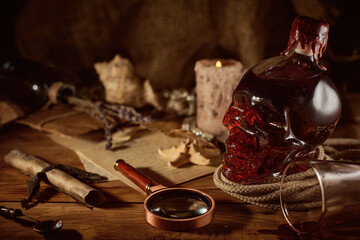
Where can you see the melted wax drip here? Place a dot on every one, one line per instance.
(308, 32)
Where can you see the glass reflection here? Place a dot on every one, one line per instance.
(179, 204)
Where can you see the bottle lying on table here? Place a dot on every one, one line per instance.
(31, 85)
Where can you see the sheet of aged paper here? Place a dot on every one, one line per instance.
(61, 120)
(138, 147)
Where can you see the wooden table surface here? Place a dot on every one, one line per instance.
(122, 216)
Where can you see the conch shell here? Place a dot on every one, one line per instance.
(123, 86)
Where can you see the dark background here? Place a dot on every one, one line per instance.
(164, 38)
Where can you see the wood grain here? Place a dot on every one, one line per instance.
(126, 221)
(122, 216)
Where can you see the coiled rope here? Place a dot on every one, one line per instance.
(267, 194)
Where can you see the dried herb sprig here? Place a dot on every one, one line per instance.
(104, 112)
(108, 125)
(125, 113)
(121, 112)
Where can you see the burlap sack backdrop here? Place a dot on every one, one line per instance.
(163, 39)
(268, 194)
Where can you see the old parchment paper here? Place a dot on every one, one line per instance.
(138, 147)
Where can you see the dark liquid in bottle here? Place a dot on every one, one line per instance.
(282, 108)
(27, 83)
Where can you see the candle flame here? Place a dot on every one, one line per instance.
(218, 64)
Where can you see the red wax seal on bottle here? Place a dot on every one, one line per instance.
(308, 35)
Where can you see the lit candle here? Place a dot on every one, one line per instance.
(215, 82)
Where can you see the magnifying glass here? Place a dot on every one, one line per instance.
(175, 209)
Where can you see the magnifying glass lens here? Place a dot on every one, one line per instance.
(179, 204)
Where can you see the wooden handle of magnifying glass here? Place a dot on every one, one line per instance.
(134, 175)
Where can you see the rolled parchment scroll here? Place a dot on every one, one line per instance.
(71, 186)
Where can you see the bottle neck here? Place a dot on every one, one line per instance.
(308, 54)
(307, 51)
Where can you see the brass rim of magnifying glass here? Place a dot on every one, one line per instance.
(179, 224)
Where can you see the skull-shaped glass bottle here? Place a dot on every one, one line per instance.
(283, 107)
